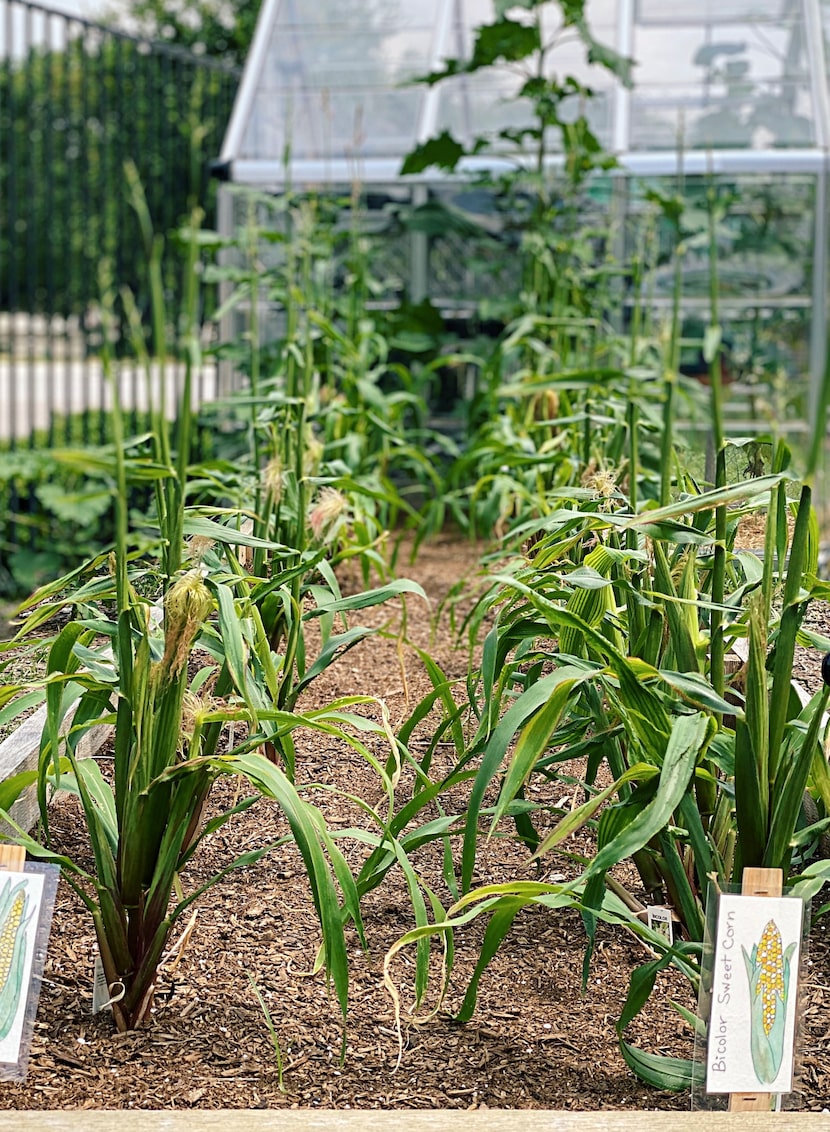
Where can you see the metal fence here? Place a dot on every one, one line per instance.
(78, 102)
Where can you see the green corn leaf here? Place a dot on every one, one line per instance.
(21, 704)
(708, 501)
(342, 873)
(669, 531)
(334, 648)
(752, 749)
(682, 619)
(674, 1074)
(12, 787)
(640, 986)
(696, 690)
(576, 819)
(586, 577)
(756, 711)
(232, 641)
(788, 790)
(368, 598)
(503, 903)
(820, 777)
(529, 702)
(791, 617)
(489, 681)
(593, 895)
(680, 888)
(813, 545)
(810, 882)
(641, 710)
(62, 661)
(419, 911)
(532, 743)
(229, 536)
(442, 689)
(501, 920)
(99, 792)
(689, 736)
(695, 1023)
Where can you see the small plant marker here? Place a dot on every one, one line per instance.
(757, 882)
(660, 921)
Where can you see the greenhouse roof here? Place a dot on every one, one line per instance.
(327, 95)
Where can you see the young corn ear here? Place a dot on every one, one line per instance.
(593, 602)
(14, 905)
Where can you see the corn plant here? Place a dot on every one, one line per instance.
(607, 639)
(326, 386)
(146, 821)
(315, 488)
(626, 682)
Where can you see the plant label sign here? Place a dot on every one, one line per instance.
(26, 902)
(754, 988)
(660, 921)
(20, 898)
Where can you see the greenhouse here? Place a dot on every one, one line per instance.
(732, 93)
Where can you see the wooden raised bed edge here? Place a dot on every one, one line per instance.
(20, 750)
(363, 1120)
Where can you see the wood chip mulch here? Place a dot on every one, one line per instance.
(535, 1041)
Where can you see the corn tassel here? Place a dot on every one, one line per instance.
(14, 904)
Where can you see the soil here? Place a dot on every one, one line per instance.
(535, 1040)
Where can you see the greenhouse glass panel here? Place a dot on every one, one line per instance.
(333, 79)
(764, 281)
(719, 84)
(332, 83)
(712, 11)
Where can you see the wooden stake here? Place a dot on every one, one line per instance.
(12, 858)
(757, 882)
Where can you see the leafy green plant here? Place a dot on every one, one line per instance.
(272, 1031)
(329, 379)
(146, 822)
(57, 517)
(606, 640)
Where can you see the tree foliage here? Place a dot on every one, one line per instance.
(217, 28)
(69, 121)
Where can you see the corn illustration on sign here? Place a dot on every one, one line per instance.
(754, 983)
(20, 900)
